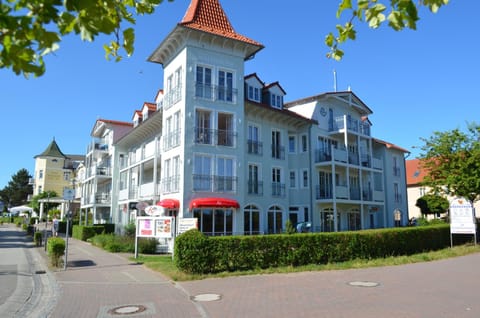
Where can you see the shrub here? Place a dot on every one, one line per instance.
(55, 250)
(147, 245)
(37, 238)
(196, 253)
(130, 229)
(82, 232)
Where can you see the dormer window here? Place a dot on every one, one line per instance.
(276, 101)
(253, 93)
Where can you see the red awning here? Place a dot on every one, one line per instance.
(169, 203)
(213, 202)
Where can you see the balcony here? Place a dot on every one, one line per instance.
(216, 93)
(278, 152)
(103, 198)
(322, 155)
(353, 125)
(278, 189)
(326, 192)
(99, 145)
(255, 187)
(211, 183)
(171, 140)
(170, 184)
(205, 136)
(255, 147)
(172, 97)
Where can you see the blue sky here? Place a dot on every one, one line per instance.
(416, 82)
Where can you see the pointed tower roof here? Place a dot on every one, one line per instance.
(208, 16)
(52, 151)
(210, 22)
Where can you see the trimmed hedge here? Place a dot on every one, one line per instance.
(82, 232)
(55, 250)
(197, 253)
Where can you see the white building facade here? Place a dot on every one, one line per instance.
(224, 147)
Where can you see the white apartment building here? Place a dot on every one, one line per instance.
(224, 147)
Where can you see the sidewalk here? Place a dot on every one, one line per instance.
(101, 284)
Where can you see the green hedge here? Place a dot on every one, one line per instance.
(82, 232)
(197, 253)
(55, 250)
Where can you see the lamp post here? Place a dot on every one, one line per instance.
(46, 223)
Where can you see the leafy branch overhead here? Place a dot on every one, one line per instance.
(31, 29)
(400, 14)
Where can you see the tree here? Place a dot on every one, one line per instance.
(44, 195)
(432, 204)
(17, 190)
(451, 161)
(31, 29)
(402, 14)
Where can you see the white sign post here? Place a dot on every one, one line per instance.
(462, 219)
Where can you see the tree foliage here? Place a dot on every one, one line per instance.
(31, 29)
(432, 204)
(17, 189)
(47, 205)
(400, 14)
(451, 161)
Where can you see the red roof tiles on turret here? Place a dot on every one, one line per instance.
(208, 16)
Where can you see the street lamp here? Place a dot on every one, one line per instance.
(46, 223)
(397, 216)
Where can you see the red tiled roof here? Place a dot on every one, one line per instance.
(115, 122)
(208, 16)
(415, 173)
(151, 106)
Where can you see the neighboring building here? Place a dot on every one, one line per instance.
(96, 176)
(55, 171)
(415, 189)
(225, 148)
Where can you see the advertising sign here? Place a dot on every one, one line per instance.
(159, 227)
(186, 224)
(462, 217)
(145, 227)
(153, 210)
(163, 226)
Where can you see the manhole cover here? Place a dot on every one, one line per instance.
(363, 284)
(127, 310)
(206, 297)
(40, 272)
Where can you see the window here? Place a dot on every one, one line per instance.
(276, 101)
(251, 220)
(176, 174)
(202, 128)
(253, 143)
(225, 180)
(225, 130)
(255, 186)
(40, 174)
(66, 175)
(274, 220)
(225, 86)
(305, 179)
(277, 149)
(293, 179)
(202, 173)
(214, 221)
(304, 143)
(254, 93)
(278, 188)
(291, 144)
(396, 168)
(396, 193)
(167, 176)
(203, 87)
(421, 191)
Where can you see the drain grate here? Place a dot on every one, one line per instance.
(127, 310)
(130, 310)
(363, 284)
(206, 297)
